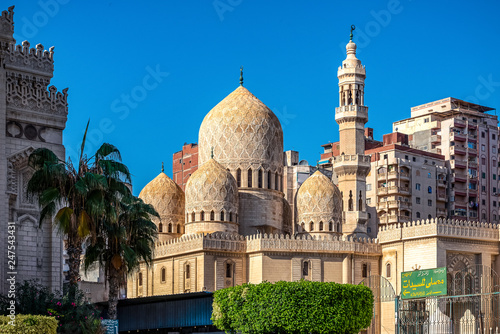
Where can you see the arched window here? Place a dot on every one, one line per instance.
(259, 183)
(268, 180)
(330, 226)
(222, 215)
(140, 279)
(229, 270)
(429, 216)
(338, 227)
(360, 201)
(230, 216)
(163, 275)
(249, 178)
(212, 215)
(321, 226)
(193, 217)
(468, 285)
(187, 271)
(160, 227)
(302, 227)
(202, 215)
(388, 270)
(238, 177)
(351, 208)
(311, 226)
(178, 228)
(305, 268)
(276, 181)
(418, 214)
(429, 190)
(169, 227)
(364, 270)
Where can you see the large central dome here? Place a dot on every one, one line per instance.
(243, 133)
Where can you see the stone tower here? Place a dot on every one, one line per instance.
(33, 114)
(352, 166)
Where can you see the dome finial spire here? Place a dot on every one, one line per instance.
(162, 167)
(241, 76)
(353, 27)
(212, 153)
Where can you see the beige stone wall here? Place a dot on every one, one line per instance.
(261, 211)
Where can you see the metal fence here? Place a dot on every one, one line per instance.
(465, 314)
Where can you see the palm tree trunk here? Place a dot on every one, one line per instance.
(114, 289)
(74, 250)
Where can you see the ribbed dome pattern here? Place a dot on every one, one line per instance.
(243, 133)
(318, 200)
(212, 188)
(168, 200)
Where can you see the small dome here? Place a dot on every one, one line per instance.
(243, 132)
(351, 47)
(319, 203)
(211, 196)
(168, 200)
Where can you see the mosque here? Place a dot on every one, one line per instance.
(234, 224)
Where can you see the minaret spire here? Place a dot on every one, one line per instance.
(241, 76)
(212, 153)
(353, 27)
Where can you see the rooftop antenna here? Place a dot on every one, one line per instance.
(353, 27)
(241, 76)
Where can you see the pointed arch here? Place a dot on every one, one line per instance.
(212, 215)
(249, 181)
(202, 215)
(311, 226)
(179, 228)
(193, 216)
(268, 179)
(160, 227)
(222, 215)
(238, 177)
(169, 228)
(321, 226)
(260, 179)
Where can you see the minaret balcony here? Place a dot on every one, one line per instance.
(352, 160)
(351, 111)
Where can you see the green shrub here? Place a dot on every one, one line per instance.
(75, 315)
(293, 307)
(25, 324)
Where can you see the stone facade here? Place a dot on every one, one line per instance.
(33, 115)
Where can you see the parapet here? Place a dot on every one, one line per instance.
(438, 227)
(316, 244)
(7, 25)
(26, 60)
(235, 243)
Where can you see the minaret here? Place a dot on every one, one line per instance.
(352, 165)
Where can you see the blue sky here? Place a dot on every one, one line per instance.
(146, 74)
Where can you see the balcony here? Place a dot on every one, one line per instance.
(381, 176)
(460, 192)
(472, 164)
(459, 123)
(435, 139)
(393, 190)
(457, 150)
(401, 205)
(441, 196)
(457, 136)
(382, 190)
(441, 183)
(472, 125)
(472, 151)
(458, 164)
(391, 219)
(441, 212)
(404, 175)
(351, 111)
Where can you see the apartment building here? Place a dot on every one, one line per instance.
(467, 136)
(404, 184)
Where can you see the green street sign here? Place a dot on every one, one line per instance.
(423, 283)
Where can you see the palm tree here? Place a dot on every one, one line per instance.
(122, 244)
(77, 197)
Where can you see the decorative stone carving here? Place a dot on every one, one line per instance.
(16, 162)
(243, 133)
(168, 200)
(319, 200)
(34, 96)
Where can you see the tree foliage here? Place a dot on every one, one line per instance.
(77, 195)
(25, 324)
(293, 307)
